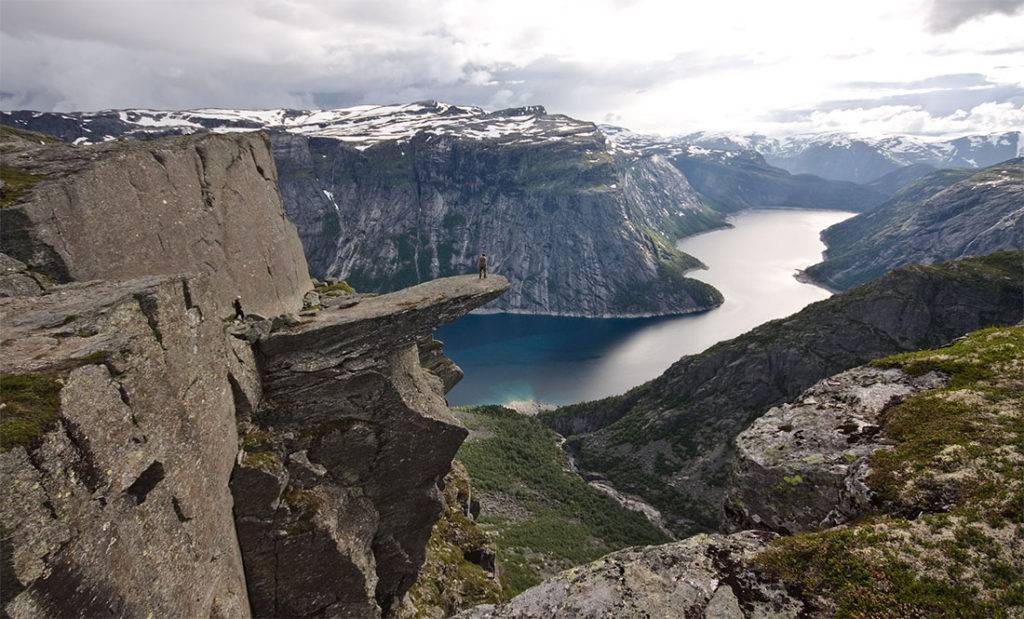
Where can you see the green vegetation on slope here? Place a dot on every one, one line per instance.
(336, 289)
(542, 517)
(953, 489)
(451, 578)
(29, 404)
(661, 440)
(16, 184)
(14, 134)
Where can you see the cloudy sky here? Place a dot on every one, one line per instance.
(928, 67)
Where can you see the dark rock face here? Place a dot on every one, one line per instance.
(704, 576)
(119, 504)
(577, 228)
(669, 440)
(16, 280)
(946, 215)
(803, 465)
(206, 204)
(899, 178)
(351, 429)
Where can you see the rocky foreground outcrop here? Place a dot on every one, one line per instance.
(803, 465)
(896, 486)
(206, 204)
(165, 461)
(118, 439)
(710, 576)
(342, 455)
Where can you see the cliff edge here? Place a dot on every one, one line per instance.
(164, 460)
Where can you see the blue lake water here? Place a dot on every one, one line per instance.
(556, 360)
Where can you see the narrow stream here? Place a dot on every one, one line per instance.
(628, 501)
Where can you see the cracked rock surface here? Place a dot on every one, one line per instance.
(120, 506)
(803, 465)
(128, 489)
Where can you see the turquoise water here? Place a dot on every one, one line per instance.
(556, 360)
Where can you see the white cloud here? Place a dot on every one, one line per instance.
(657, 65)
(984, 118)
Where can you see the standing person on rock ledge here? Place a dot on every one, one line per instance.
(239, 314)
(482, 264)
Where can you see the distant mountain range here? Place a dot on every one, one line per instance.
(732, 179)
(859, 159)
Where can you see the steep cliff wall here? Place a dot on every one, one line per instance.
(391, 196)
(164, 461)
(118, 436)
(206, 204)
(946, 215)
(577, 228)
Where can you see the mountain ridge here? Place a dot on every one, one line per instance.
(944, 215)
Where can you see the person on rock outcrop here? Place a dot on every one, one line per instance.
(482, 263)
(239, 314)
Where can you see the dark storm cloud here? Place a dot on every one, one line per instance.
(946, 15)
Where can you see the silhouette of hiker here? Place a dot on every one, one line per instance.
(482, 263)
(239, 314)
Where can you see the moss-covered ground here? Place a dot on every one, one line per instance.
(336, 289)
(29, 404)
(948, 538)
(449, 580)
(16, 183)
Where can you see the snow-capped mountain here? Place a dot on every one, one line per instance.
(732, 174)
(361, 126)
(864, 159)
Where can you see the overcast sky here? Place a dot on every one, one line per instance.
(929, 67)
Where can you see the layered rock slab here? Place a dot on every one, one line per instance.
(351, 429)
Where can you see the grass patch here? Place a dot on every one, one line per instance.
(16, 183)
(860, 577)
(29, 405)
(335, 290)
